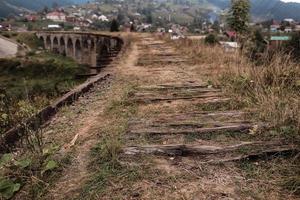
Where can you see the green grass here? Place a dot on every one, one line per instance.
(44, 74)
(279, 171)
(29, 39)
(37, 25)
(24, 37)
(35, 80)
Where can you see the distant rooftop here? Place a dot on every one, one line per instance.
(280, 38)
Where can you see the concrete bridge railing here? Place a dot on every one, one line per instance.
(85, 48)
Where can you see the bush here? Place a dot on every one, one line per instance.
(294, 45)
(8, 65)
(14, 34)
(7, 35)
(114, 26)
(211, 39)
(29, 39)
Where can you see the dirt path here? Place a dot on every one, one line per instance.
(78, 127)
(7, 48)
(185, 140)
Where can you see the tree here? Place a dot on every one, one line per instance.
(149, 18)
(45, 9)
(54, 5)
(216, 26)
(239, 15)
(294, 45)
(114, 27)
(256, 46)
(132, 28)
(120, 17)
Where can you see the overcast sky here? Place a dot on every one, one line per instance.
(298, 1)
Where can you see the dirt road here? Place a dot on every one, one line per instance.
(7, 48)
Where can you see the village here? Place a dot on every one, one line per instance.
(99, 16)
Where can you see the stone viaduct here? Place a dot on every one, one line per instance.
(86, 48)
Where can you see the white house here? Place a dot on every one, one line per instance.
(288, 30)
(297, 28)
(103, 18)
(54, 26)
(94, 16)
(289, 20)
(230, 46)
(274, 27)
(56, 16)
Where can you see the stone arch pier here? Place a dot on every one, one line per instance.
(85, 48)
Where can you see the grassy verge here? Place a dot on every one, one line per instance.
(24, 38)
(29, 169)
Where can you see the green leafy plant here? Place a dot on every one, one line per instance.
(8, 188)
(50, 165)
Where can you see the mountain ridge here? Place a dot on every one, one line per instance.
(266, 9)
(260, 9)
(15, 6)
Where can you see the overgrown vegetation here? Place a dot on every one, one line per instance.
(272, 88)
(269, 87)
(32, 82)
(24, 38)
(29, 167)
(27, 84)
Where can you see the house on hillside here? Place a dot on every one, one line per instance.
(143, 27)
(277, 41)
(297, 28)
(4, 26)
(230, 46)
(231, 35)
(289, 20)
(288, 30)
(31, 17)
(53, 26)
(103, 18)
(56, 16)
(274, 27)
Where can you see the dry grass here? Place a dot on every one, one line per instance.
(271, 88)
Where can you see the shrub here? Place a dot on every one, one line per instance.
(7, 35)
(211, 39)
(294, 45)
(114, 27)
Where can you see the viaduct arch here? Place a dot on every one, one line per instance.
(85, 48)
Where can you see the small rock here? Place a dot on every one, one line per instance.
(136, 194)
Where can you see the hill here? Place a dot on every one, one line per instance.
(265, 9)
(14, 6)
